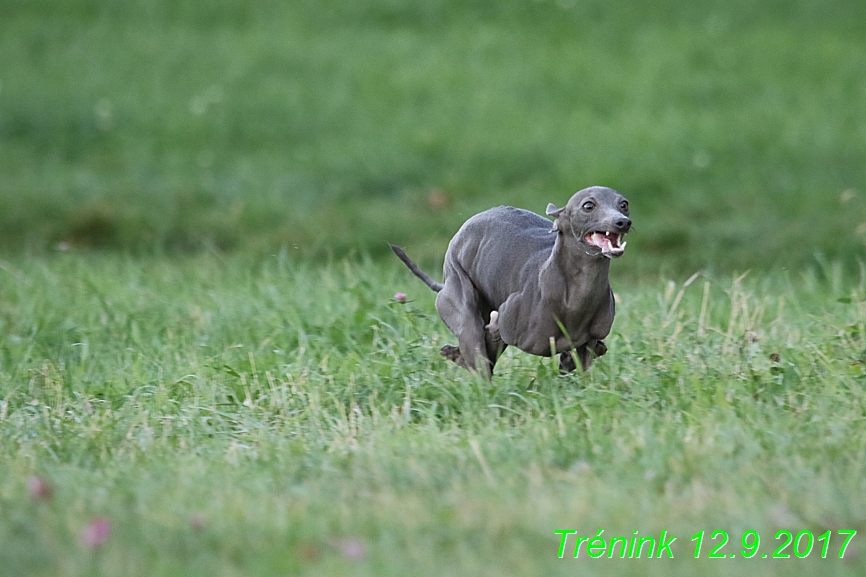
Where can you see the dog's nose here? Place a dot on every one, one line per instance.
(623, 224)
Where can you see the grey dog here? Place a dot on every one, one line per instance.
(510, 278)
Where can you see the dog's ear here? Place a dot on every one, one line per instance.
(554, 212)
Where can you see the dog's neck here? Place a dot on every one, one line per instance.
(570, 261)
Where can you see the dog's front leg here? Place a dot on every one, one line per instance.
(493, 339)
(587, 353)
(566, 362)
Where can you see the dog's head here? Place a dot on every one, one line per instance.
(597, 218)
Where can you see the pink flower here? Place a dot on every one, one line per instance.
(400, 297)
(197, 522)
(40, 489)
(352, 549)
(95, 533)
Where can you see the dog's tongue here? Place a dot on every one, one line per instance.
(610, 243)
(603, 240)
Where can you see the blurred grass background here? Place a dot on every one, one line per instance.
(737, 129)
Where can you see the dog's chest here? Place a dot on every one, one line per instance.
(584, 315)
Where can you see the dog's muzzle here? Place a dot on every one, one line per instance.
(611, 243)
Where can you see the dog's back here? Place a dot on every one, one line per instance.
(499, 247)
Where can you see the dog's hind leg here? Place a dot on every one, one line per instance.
(493, 344)
(459, 305)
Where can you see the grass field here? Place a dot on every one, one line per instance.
(266, 418)
(202, 366)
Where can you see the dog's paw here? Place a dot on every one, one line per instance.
(566, 363)
(493, 325)
(492, 328)
(600, 348)
(452, 353)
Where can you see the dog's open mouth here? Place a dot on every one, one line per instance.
(610, 243)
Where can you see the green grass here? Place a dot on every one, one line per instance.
(733, 127)
(288, 408)
(198, 342)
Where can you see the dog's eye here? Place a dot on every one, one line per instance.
(588, 205)
(623, 205)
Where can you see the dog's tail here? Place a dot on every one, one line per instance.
(436, 286)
